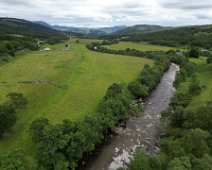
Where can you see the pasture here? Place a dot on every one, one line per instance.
(138, 46)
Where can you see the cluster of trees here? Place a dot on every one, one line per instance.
(16, 160)
(209, 59)
(187, 145)
(9, 44)
(193, 36)
(189, 136)
(8, 114)
(55, 39)
(112, 41)
(194, 53)
(149, 78)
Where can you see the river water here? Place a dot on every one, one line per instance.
(140, 132)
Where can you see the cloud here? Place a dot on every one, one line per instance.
(16, 2)
(95, 13)
(189, 5)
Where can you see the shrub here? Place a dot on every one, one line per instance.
(138, 90)
(209, 60)
(16, 160)
(8, 111)
(7, 117)
(194, 53)
(194, 87)
(180, 99)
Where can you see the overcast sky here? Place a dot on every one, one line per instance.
(99, 13)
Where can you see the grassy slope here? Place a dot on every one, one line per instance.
(139, 46)
(204, 75)
(79, 79)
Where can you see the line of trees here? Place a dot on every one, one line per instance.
(97, 46)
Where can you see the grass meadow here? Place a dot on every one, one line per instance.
(139, 46)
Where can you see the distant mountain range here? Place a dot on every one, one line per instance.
(122, 29)
(40, 28)
(84, 30)
(20, 26)
(141, 28)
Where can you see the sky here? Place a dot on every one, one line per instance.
(104, 13)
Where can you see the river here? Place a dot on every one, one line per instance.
(141, 131)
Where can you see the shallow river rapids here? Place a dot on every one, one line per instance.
(140, 132)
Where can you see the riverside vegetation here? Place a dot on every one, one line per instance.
(187, 144)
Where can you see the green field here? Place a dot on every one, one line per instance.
(204, 75)
(61, 84)
(139, 46)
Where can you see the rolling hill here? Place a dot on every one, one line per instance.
(88, 31)
(23, 27)
(182, 36)
(140, 28)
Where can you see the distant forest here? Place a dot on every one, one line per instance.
(200, 36)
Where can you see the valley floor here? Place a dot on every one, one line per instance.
(61, 85)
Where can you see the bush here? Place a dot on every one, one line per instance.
(180, 99)
(194, 53)
(177, 117)
(138, 90)
(194, 87)
(16, 160)
(180, 77)
(199, 119)
(37, 129)
(140, 162)
(8, 111)
(190, 68)
(209, 60)
(198, 146)
(17, 100)
(182, 163)
(7, 117)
